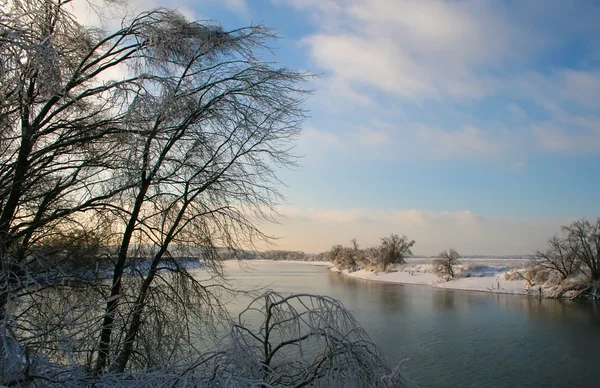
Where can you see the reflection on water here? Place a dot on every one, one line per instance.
(539, 308)
(458, 338)
(443, 300)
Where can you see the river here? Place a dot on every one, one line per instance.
(455, 338)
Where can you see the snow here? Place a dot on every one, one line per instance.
(483, 274)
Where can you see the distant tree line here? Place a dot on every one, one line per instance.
(285, 255)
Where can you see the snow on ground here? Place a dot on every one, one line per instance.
(475, 275)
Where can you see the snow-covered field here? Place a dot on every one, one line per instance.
(476, 274)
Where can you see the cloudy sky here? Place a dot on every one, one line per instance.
(465, 124)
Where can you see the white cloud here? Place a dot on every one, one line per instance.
(352, 59)
(240, 7)
(558, 88)
(468, 140)
(554, 138)
(573, 125)
(327, 6)
(312, 137)
(381, 140)
(459, 52)
(582, 86)
(370, 137)
(316, 230)
(517, 112)
(414, 49)
(462, 32)
(96, 12)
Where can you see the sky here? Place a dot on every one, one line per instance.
(459, 123)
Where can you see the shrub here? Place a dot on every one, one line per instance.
(443, 266)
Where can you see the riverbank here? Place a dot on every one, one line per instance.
(451, 338)
(483, 275)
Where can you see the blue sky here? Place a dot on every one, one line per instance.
(471, 124)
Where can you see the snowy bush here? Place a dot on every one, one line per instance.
(277, 341)
(444, 265)
(513, 275)
(392, 250)
(300, 340)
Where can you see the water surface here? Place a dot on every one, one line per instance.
(456, 338)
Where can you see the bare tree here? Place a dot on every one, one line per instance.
(443, 266)
(205, 161)
(341, 257)
(297, 340)
(559, 257)
(577, 249)
(583, 239)
(59, 141)
(301, 340)
(178, 152)
(394, 250)
(347, 258)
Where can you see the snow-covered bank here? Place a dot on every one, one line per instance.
(483, 274)
(488, 275)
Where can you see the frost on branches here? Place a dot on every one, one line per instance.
(301, 340)
(120, 149)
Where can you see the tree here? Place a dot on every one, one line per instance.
(583, 240)
(342, 257)
(394, 250)
(301, 340)
(559, 257)
(577, 249)
(443, 266)
(60, 129)
(178, 152)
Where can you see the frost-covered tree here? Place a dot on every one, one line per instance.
(394, 250)
(297, 341)
(157, 135)
(559, 257)
(340, 257)
(443, 266)
(578, 248)
(583, 239)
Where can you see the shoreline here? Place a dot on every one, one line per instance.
(503, 292)
(489, 275)
(490, 284)
(479, 275)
